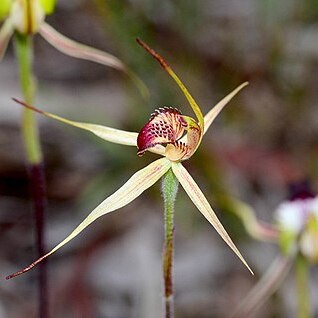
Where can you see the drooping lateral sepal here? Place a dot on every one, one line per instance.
(200, 201)
(165, 126)
(133, 188)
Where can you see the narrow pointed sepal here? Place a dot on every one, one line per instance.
(133, 188)
(212, 114)
(5, 36)
(113, 135)
(107, 133)
(195, 107)
(84, 52)
(78, 50)
(199, 200)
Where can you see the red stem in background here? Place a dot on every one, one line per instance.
(38, 192)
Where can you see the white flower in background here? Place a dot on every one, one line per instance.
(298, 220)
(295, 229)
(292, 215)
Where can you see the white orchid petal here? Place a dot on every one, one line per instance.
(133, 188)
(199, 200)
(5, 36)
(78, 50)
(211, 115)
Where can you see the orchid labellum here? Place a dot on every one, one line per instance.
(168, 133)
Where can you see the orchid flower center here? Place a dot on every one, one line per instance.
(179, 134)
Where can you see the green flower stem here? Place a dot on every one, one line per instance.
(302, 281)
(169, 192)
(24, 50)
(24, 54)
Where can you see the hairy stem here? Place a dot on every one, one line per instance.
(302, 281)
(169, 192)
(24, 53)
(24, 48)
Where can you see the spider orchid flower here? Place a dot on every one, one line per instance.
(168, 133)
(27, 17)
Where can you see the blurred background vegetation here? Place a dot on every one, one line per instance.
(262, 142)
